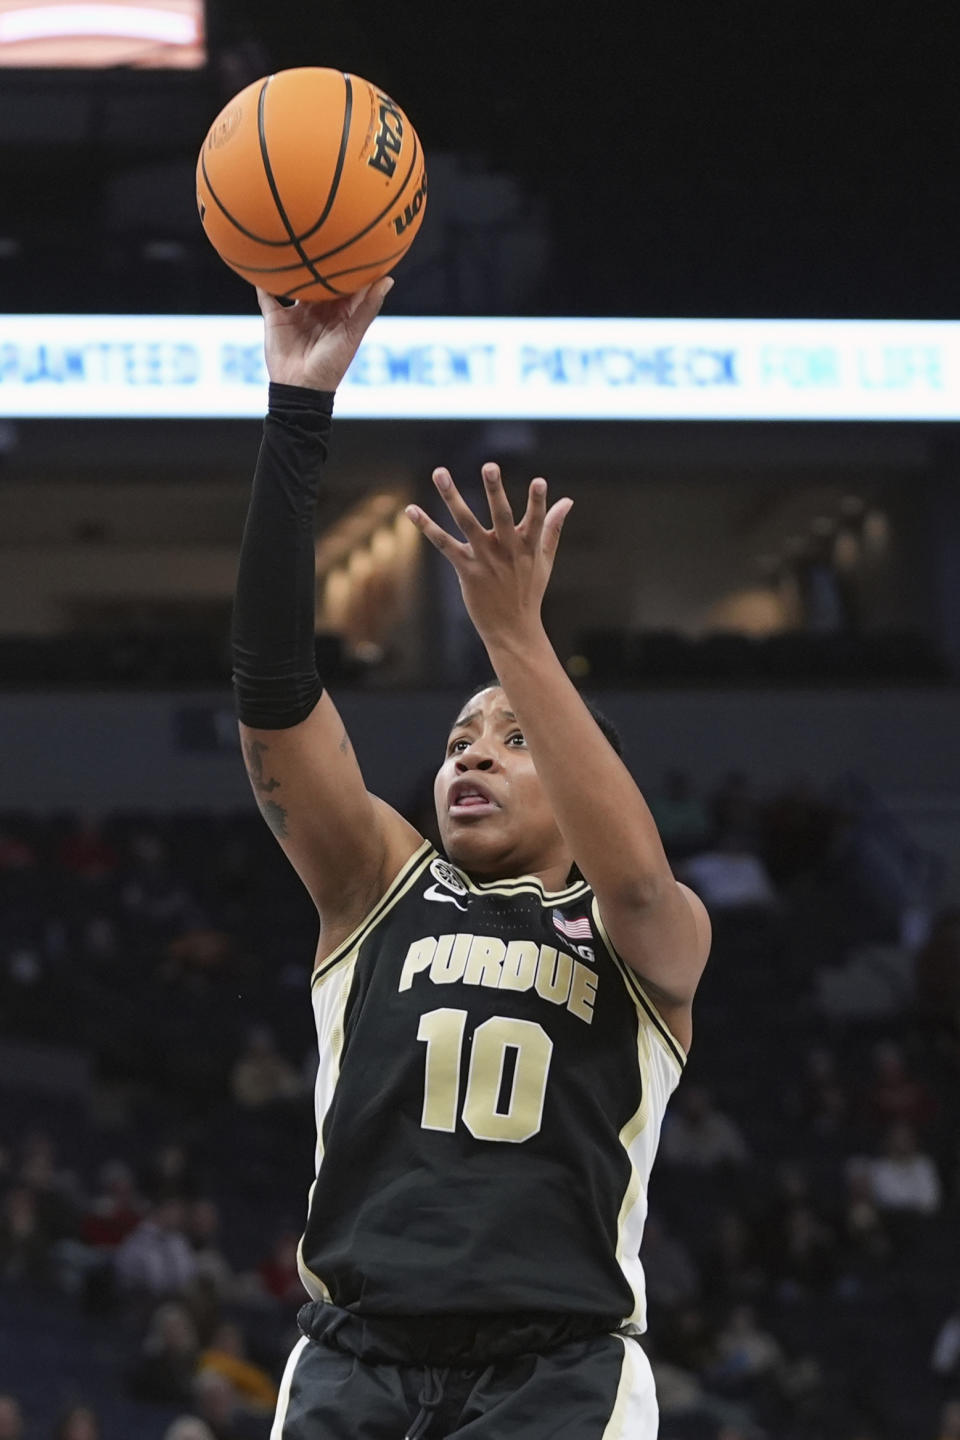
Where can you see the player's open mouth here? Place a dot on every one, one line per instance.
(467, 799)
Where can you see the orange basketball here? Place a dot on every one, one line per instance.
(311, 183)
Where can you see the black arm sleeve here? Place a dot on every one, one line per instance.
(274, 660)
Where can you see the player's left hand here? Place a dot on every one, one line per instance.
(503, 571)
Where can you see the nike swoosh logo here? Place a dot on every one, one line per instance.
(435, 893)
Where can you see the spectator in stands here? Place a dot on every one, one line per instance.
(695, 1133)
(262, 1076)
(54, 1187)
(188, 1427)
(729, 876)
(685, 1338)
(219, 1405)
(746, 1354)
(78, 1423)
(84, 1263)
(819, 1102)
(11, 1418)
(808, 1254)
(868, 1242)
(896, 1096)
(115, 1210)
(731, 1267)
(945, 1360)
(937, 982)
(227, 1355)
(24, 1239)
(152, 893)
(84, 852)
(164, 1370)
(904, 1178)
(278, 1273)
(680, 815)
(99, 942)
(797, 826)
(669, 1269)
(170, 1174)
(156, 1260)
(198, 948)
(202, 1228)
(885, 878)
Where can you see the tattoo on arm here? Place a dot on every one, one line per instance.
(253, 755)
(344, 743)
(275, 815)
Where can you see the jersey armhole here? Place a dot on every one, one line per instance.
(640, 997)
(398, 887)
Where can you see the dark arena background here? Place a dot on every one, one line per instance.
(759, 583)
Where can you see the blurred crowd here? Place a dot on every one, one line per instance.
(809, 1173)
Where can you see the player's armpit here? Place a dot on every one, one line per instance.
(666, 941)
(343, 843)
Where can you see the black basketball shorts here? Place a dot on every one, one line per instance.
(597, 1388)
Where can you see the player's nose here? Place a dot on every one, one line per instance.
(475, 757)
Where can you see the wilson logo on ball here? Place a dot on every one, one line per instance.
(410, 212)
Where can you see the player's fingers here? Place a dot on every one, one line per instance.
(459, 509)
(269, 304)
(364, 307)
(553, 524)
(531, 525)
(500, 511)
(454, 550)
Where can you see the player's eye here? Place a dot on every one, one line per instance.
(453, 747)
(517, 735)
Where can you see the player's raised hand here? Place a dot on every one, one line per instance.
(313, 342)
(504, 570)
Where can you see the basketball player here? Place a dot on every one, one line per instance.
(500, 1029)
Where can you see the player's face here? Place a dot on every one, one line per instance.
(494, 816)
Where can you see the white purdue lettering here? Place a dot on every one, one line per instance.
(419, 957)
(485, 961)
(554, 973)
(519, 965)
(450, 959)
(583, 992)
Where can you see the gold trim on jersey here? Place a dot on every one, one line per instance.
(634, 1127)
(522, 884)
(286, 1384)
(398, 886)
(643, 1002)
(615, 1426)
(328, 1074)
(303, 1269)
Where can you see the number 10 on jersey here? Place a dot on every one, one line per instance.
(443, 1031)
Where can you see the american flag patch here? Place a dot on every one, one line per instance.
(577, 928)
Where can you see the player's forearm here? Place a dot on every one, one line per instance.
(275, 676)
(600, 811)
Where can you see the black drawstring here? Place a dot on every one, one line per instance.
(429, 1399)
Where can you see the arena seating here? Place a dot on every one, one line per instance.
(137, 957)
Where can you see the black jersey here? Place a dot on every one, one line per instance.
(491, 1087)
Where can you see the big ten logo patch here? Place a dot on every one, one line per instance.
(448, 879)
(388, 141)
